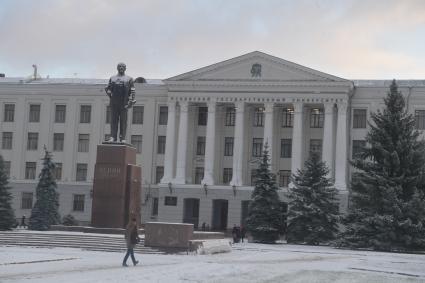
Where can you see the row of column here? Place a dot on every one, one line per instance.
(238, 149)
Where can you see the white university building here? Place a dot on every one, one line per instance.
(198, 135)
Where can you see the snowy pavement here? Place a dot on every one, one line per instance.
(246, 263)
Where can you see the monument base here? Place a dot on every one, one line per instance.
(116, 186)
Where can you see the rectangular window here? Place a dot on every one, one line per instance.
(285, 148)
(108, 115)
(316, 118)
(284, 178)
(9, 112)
(159, 174)
(81, 174)
(83, 142)
(7, 140)
(78, 203)
(161, 144)
(316, 146)
(34, 113)
(257, 147)
(420, 119)
(32, 141)
(58, 140)
(138, 114)
(60, 113)
(200, 146)
(85, 113)
(228, 146)
(202, 116)
(358, 146)
(253, 176)
(230, 116)
(227, 175)
(136, 141)
(199, 174)
(6, 165)
(58, 171)
(154, 206)
(288, 118)
(26, 201)
(359, 118)
(30, 170)
(163, 115)
(258, 117)
(171, 201)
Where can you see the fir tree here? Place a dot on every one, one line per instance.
(387, 210)
(45, 210)
(7, 216)
(313, 206)
(264, 216)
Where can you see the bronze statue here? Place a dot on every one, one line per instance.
(121, 92)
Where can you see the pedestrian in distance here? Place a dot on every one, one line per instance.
(132, 238)
(243, 233)
(23, 224)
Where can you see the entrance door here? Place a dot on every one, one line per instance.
(191, 211)
(219, 220)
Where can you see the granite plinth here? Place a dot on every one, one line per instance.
(116, 186)
(169, 235)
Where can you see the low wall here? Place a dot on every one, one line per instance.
(87, 229)
(169, 235)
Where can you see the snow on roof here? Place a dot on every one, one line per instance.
(23, 80)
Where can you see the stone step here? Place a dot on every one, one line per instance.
(87, 242)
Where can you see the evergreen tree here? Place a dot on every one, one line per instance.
(7, 216)
(387, 210)
(45, 210)
(313, 206)
(264, 216)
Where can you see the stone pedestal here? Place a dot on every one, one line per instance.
(168, 235)
(116, 186)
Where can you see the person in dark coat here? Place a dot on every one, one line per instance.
(235, 234)
(23, 224)
(132, 238)
(243, 233)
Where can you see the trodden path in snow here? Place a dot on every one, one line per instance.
(246, 263)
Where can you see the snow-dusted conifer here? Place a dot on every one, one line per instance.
(45, 210)
(387, 210)
(313, 207)
(264, 220)
(7, 216)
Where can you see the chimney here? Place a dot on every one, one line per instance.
(35, 71)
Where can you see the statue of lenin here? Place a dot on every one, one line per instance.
(121, 92)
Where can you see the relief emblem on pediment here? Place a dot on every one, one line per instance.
(256, 70)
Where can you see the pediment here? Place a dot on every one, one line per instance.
(256, 66)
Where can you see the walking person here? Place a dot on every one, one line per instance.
(132, 238)
(243, 233)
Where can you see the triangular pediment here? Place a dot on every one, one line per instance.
(256, 66)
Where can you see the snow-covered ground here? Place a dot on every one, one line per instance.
(246, 263)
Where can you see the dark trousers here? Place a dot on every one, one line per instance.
(118, 113)
(130, 252)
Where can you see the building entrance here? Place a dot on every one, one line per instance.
(191, 211)
(220, 210)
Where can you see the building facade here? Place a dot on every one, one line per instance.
(198, 135)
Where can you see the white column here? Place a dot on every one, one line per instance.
(297, 138)
(210, 146)
(341, 148)
(182, 144)
(170, 144)
(268, 129)
(238, 146)
(328, 147)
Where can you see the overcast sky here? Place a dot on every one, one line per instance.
(373, 39)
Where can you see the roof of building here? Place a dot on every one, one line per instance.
(27, 80)
(23, 80)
